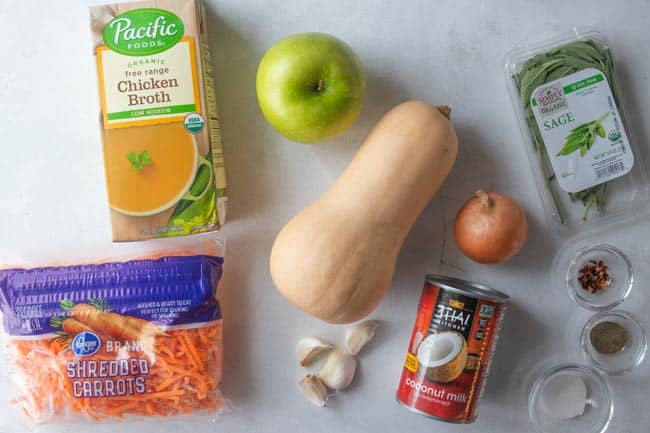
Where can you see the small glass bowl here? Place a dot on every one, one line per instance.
(543, 401)
(627, 358)
(619, 269)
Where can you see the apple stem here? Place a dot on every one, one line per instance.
(319, 85)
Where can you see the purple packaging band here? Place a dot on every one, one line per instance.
(169, 291)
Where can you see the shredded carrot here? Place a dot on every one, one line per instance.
(155, 395)
(184, 372)
(165, 383)
(119, 411)
(191, 351)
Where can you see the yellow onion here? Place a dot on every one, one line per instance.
(490, 227)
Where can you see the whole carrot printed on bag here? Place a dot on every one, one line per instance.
(115, 340)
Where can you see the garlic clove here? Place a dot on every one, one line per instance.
(314, 389)
(339, 368)
(309, 348)
(358, 335)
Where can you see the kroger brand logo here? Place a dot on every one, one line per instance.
(142, 32)
(550, 100)
(85, 344)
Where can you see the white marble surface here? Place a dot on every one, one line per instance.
(53, 204)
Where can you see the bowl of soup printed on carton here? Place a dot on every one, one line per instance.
(162, 148)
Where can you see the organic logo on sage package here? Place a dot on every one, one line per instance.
(142, 32)
(550, 100)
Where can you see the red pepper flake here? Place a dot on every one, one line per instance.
(594, 277)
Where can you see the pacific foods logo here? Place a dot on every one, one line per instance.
(142, 32)
(550, 100)
(85, 344)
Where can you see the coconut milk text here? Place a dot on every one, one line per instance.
(450, 349)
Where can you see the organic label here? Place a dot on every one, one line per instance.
(194, 123)
(143, 32)
(582, 129)
(148, 89)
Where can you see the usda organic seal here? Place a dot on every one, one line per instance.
(194, 123)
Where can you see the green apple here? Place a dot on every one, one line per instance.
(310, 86)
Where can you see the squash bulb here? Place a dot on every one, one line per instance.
(336, 258)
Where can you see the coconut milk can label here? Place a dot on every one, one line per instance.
(450, 348)
(582, 130)
(147, 69)
(453, 312)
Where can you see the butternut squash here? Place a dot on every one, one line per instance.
(336, 258)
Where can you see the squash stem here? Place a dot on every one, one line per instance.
(445, 110)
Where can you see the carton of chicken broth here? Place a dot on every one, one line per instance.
(163, 156)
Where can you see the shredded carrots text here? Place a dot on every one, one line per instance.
(182, 376)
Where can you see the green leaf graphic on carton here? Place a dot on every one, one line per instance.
(142, 32)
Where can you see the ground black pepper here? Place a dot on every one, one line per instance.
(608, 337)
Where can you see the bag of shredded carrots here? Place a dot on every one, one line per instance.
(114, 340)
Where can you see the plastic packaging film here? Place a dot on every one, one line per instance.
(115, 340)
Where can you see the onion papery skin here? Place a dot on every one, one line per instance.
(490, 228)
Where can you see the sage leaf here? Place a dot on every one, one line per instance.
(559, 72)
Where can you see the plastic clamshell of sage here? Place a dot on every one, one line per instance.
(580, 146)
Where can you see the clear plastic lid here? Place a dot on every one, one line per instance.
(587, 165)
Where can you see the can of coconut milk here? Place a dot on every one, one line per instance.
(452, 343)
